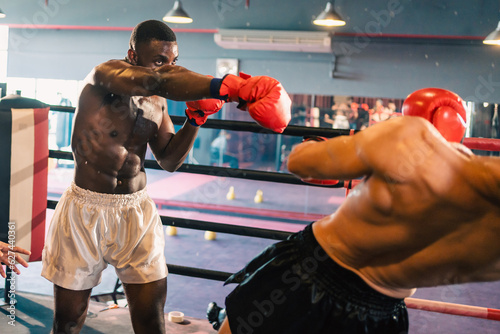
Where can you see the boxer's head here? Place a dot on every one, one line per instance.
(443, 108)
(152, 44)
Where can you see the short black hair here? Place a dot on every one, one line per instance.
(151, 30)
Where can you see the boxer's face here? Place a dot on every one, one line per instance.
(154, 54)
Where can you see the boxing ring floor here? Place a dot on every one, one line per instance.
(227, 253)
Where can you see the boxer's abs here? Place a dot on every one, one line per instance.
(123, 175)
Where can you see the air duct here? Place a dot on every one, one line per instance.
(274, 40)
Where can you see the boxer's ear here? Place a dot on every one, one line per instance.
(132, 56)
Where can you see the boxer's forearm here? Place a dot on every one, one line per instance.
(169, 81)
(173, 155)
(180, 84)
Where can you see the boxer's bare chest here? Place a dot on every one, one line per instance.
(134, 119)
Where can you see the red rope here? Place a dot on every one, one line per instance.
(456, 309)
(348, 185)
(483, 144)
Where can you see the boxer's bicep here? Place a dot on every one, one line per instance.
(162, 137)
(343, 158)
(485, 171)
(336, 158)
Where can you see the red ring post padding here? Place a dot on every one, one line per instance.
(23, 195)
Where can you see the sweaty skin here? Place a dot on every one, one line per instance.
(122, 108)
(427, 212)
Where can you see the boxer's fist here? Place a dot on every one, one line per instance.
(263, 97)
(197, 112)
(318, 181)
(444, 109)
(313, 138)
(321, 182)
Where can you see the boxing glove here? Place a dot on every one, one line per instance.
(321, 182)
(444, 109)
(263, 97)
(318, 181)
(197, 112)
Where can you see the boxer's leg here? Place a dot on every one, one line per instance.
(146, 303)
(70, 309)
(224, 328)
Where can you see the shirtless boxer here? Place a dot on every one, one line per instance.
(427, 213)
(106, 216)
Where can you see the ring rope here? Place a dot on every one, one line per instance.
(247, 174)
(291, 130)
(455, 309)
(483, 144)
(198, 272)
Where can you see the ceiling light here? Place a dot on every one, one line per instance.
(177, 14)
(494, 37)
(329, 17)
(2, 14)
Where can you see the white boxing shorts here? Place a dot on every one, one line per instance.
(90, 230)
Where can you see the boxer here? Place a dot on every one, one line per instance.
(426, 213)
(106, 215)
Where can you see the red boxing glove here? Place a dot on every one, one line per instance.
(313, 138)
(317, 181)
(444, 109)
(197, 112)
(263, 97)
(321, 182)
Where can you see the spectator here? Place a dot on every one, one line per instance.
(353, 115)
(340, 121)
(218, 150)
(363, 117)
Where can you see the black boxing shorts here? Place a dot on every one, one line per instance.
(294, 287)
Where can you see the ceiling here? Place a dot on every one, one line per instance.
(406, 18)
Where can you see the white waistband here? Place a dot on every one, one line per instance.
(102, 199)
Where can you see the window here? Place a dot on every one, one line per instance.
(4, 45)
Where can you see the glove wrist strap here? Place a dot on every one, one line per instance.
(215, 89)
(191, 120)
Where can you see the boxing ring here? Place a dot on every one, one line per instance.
(484, 144)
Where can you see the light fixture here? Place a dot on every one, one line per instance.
(177, 14)
(2, 14)
(329, 17)
(494, 37)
